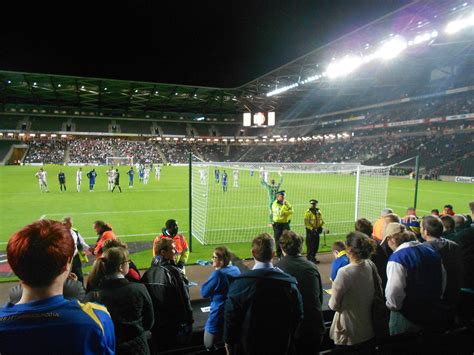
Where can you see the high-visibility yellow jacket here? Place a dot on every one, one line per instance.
(314, 220)
(281, 212)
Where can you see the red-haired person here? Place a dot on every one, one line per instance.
(104, 232)
(43, 321)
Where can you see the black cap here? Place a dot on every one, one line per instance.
(282, 192)
(313, 201)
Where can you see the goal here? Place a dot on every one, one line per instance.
(119, 161)
(345, 191)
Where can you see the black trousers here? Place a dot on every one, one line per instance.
(77, 268)
(312, 244)
(278, 229)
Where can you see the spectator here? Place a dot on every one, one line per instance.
(448, 210)
(412, 222)
(72, 290)
(129, 304)
(340, 258)
(104, 232)
(448, 227)
(459, 225)
(379, 258)
(471, 208)
(379, 225)
(353, 294)
(168, 288)
(390, 218)
(42, 321)
(310, 332)
(133, 274)
(435, 212)
(431, 231)
(171, 231)
(263, 306)
(414, 286)
(216, 288)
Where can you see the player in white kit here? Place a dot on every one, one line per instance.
(236, 178)
(78, 179)
(157, 172)
(110, 178)
(146, 175)
(41, 176)
(202, 176)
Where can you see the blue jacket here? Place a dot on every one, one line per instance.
(262, 310)
(216, 289)
(56, 326)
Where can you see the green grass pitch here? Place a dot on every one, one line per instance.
(138, 214)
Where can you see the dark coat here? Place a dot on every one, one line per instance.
(130, 307)
(466, 243)
(262, 311)
(168, 288)
(450, 253)
(311, 289)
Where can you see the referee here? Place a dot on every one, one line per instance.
(281, 212)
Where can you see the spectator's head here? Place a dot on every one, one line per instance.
(391, 218)
(67, 221)
(263, 248)
(385, 212)
(448, 223)
(411, 211)
(114, 243)
(291, 243)
(40, 254)
(364, 226)
(221, 257)
(166, 249)
(393, 228)
(431, 227)
(359, 246)
(448, 210)
(459, 221)
(100, 227)
(113, 261)
(337, 247)
(397, 239)
(471, 207)
(435, 212)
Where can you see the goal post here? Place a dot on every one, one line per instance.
(239, 211)
(119, 161)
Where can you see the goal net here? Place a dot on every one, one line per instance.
(119, 161)
(239, 211)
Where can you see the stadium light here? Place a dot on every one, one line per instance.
(344, 66)
(54, 135)
(32, 135)
(282, 89)
(9, 81)
(59, 85)
(42, 135)
(458, 25)
(392, 48)
(34, 84)
(10, 134)
(63, 136)
(21, 135)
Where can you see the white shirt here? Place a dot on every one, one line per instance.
(78, 239)
(41, 175)
(79, 175)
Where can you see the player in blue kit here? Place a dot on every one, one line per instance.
(130, 174)
(91, 175)
(141, 173)
(216, 175)
(224, 181)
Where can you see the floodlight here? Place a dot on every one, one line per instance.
(458, 25)
(343, 67)
(9, 81)
(392, 48)
(59, 85)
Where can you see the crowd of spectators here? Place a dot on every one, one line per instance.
(90, 150)
(47, 152)
(400, 276)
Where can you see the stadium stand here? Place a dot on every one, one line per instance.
(46, 152)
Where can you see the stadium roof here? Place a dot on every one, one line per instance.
(58, 94)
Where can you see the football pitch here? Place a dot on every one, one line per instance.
(138, 214)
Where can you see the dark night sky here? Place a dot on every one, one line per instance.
(210, 43)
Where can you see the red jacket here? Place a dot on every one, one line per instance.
(105, 236)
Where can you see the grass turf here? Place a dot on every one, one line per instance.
(138, 214)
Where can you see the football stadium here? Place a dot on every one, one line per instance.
(177, 216)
